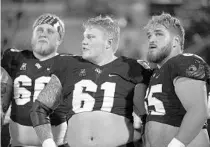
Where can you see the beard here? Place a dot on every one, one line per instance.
(159, 56)
(43, 49)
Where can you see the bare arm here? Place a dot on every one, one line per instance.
(48, 100)
(139, 106)
(6, 92)
(193, 96)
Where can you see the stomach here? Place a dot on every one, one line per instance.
(159, 134)
(23, 135)
(26, 135)
(98, 128)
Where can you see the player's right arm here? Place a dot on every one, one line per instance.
(6, 80)
(47, 101)
(6, 92)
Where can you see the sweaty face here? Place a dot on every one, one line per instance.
(44, 39)
(160, 44)
(93, 44)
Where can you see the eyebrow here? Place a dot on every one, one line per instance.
(156, 31)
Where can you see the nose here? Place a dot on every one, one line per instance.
(152, 39)
(84, 42)
(43, 34)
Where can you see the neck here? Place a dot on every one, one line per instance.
(105, 61)
(172, 54)
(43, 58)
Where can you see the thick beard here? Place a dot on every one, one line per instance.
(42, 51)
(161, 55)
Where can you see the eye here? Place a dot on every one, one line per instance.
(148, 36)
(159, 34)
(90, 36)
(50, 31)
(39, 30)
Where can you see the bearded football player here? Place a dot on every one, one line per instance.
(30, 72)
(177, 93)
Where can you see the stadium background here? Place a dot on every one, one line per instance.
(17, 17)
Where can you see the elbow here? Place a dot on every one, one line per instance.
(202, 112)
(39, 114)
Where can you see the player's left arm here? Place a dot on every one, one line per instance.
(140, 92)
(47, 101)
(6, 92)
(139, 106)
(193, 96)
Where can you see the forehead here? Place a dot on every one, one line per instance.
(93, 31)
(157, 28)
(45, 26)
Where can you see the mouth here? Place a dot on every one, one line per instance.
(42, 41)
(152, 46)
(84, 49)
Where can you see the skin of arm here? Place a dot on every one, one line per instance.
(139, 106)
(193, 96)
(48, 100)
(6, 93)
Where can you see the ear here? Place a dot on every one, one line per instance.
(58, 41)
(176, 41)
(109, 43)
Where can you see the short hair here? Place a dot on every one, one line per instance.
(109, 25)
(52, 20)
(170, 22)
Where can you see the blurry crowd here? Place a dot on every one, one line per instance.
(132, 16)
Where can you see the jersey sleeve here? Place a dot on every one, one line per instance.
(59, 68)
(140, 72)
(189, 66)
(9, 59)
(6, 61)
(62, 67)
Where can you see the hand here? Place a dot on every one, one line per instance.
(49, 143)
(175, 143)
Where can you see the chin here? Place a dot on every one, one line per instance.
(85, 56)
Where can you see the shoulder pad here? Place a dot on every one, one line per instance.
(144, 63)
(65, 54)
(192, 55)
(15, 50)
(189, 65)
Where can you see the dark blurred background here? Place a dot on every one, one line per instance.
(17, 17)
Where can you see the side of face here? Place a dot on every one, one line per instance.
(45, 39)
(94, 43)
(160, 43)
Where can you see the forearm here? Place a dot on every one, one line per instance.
(6, 93)
(41, 123)
(44, 132)
(192, 124)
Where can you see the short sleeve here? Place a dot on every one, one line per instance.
(140, 73)
(189, 66)
(7, 59)
(63, 67)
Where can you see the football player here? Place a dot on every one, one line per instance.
(30, 72)
(177, 93)
(98, 91)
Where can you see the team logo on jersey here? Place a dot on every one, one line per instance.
(23, 66)
(82, 73)
(196, 72)
(98, 70)
(38, 65)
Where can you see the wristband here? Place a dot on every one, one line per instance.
(175, 143)
(49, 143)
